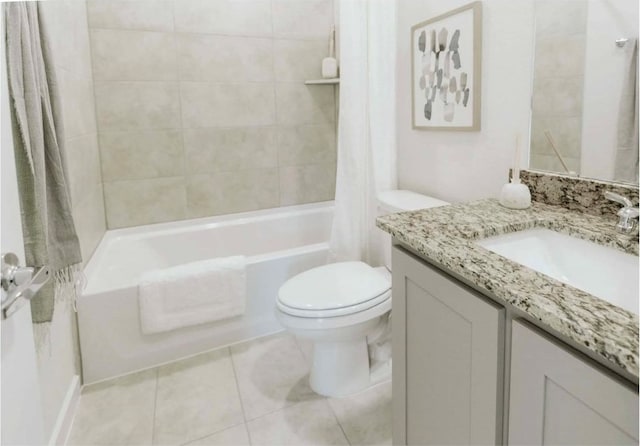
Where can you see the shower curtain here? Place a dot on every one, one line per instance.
(366, 127)
(49, 233)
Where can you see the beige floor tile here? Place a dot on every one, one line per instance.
(307, 349)
(119, 412)
(234, 436)
(308, 423)
(272, 373)
(196, 397)
(366, 417)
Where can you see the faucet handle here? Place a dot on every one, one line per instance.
(618, 198)
(629, 212)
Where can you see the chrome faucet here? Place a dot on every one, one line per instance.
(628, 214)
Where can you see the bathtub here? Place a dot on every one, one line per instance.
(278, 243)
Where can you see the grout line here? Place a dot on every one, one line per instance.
(213, 433)
(265, 36)
(155, 405)
(338, 421)
(95, 117)
(185, 210)
(235, 376)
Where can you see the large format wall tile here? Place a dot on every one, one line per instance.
(141, 154)
(89, 219)
(229, 192)
(83, 165)
(240, 17)
(549, 61)
(202, 109)
(302, 18)
(78, 106)
(306, 144)
(566, 132)
(304, 104)
(139, 202)
(220, 105)
(307, 184)
(558, 96)
(137, 105)
(225, 59)
(150, 15)
(560, 17)
(66, 23)
(299, 60)
(230, 149)
(121, 55)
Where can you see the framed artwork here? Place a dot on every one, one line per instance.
(446, 56)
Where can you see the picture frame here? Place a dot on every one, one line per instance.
(446, 70)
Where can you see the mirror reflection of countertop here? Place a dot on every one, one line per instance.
(446, 236)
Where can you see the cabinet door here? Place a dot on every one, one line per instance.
(447, 359)
(557, 397)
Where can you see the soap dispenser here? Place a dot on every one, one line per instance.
(514, 194)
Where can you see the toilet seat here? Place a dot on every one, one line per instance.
(335, 312)
(334, 290)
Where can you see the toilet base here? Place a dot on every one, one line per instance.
(340, 368)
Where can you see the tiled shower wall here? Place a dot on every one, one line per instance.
(202, 108)
(558, 83)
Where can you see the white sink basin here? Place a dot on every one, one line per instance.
(607, 273)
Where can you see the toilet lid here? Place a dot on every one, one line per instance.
(333, 286)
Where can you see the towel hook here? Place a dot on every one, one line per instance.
(621, 42)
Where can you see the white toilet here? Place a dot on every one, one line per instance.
(340, 307)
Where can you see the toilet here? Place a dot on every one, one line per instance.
(343, 307)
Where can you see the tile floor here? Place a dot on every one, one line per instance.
(255, 393)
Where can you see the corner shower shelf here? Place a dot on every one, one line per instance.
(323, 81)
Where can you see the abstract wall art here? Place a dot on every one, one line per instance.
(446, 69)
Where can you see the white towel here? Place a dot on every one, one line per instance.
(191, 294)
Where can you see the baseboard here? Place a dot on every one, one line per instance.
(67, 411)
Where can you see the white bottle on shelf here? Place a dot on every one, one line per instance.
(330, 64)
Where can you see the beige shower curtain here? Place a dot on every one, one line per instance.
(49, 232)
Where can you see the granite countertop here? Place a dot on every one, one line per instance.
(446, 235)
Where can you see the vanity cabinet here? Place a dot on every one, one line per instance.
(557, 397)
(448, 360)
(449, 383)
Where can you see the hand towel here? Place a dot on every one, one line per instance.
(192, 294)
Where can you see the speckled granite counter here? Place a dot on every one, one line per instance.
(446, 236)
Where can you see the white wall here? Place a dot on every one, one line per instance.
(605, 70)
(461, 166)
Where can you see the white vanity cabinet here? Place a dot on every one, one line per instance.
(557, 397)
(448, 362)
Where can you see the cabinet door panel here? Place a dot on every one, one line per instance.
(449, 379)
(558, 398)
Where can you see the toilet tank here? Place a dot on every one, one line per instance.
(393, 201)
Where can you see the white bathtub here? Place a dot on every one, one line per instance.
(279, 243)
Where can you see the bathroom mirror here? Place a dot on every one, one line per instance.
(585, 89)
